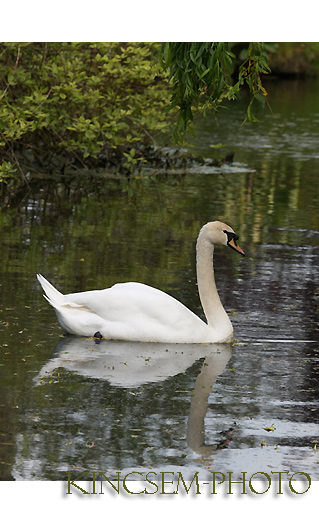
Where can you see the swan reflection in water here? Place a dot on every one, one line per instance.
(133, 364)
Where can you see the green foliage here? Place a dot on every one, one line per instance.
(132, 160)
(201, 75)
(255, 64)
(78, 102)
(92, 104)
(7, 171)
(294, 58)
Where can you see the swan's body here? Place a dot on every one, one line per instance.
(136, 312)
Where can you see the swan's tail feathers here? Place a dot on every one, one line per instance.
(53, 296)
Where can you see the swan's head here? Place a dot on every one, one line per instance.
(220, 233)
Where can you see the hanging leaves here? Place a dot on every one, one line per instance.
(203, 74)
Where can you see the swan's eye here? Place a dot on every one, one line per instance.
(231, 236)
(232, 241)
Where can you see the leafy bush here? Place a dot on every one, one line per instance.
(7, 172)
(94, 104)
(77, 103)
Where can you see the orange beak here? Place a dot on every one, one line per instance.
(233, 244)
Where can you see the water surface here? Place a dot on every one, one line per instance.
(72, 405)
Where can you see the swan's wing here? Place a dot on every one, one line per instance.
(74, 317)
(54, 297)
(129, 300)
(135, 311)
(128, 311)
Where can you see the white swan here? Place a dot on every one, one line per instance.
(136, 312)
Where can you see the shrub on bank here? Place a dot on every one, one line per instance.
(77, 103)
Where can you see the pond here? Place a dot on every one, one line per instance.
(71, 405)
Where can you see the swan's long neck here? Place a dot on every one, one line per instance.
(216, 315)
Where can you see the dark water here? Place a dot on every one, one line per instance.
(72, 405)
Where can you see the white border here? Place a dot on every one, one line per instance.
(173, 20)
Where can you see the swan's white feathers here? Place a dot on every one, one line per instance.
(119, 312)
(137, 312)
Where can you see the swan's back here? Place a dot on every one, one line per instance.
(127, 311)
(136, 311)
